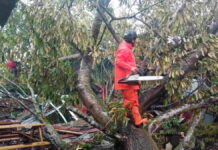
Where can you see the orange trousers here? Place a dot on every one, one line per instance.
(130, 101)
(130, 98)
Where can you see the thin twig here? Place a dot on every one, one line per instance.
(102, 35)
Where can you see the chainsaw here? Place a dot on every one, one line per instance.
(135, 79)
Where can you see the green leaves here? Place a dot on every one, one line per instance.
(37, 36)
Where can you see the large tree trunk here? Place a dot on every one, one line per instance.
(139, 139)
(86, 93)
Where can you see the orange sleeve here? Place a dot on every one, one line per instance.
(121, 60)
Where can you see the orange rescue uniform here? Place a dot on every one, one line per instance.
(124, 62)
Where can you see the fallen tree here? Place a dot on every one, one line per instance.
(61, 36)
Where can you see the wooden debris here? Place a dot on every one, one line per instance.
(8, 135)
(67, 131)
(61, 127)
(13, 132)
(21, 125)
(35, 144)
(63, 136)
(90, 130)
(5, 122)
(9, 139)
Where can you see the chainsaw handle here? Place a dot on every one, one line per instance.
(124, 81)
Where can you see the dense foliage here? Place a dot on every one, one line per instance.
(40, 34)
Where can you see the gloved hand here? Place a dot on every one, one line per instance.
(134, 70)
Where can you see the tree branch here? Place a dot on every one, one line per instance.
(102, 35)
(92, 122)
(134, 15)
(86, 94)
(190, 64)
(116, 37)
(98, 20)
(182, 100)
(88, 119)
(176, 14)
(110, 28)
(186, 142)
(151, 96)
(154, 125)
(189, 134)
(71, 57)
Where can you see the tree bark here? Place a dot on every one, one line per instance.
(98, 20)
(56, 141)
(186, 142)
(139, 139)
(191, 130)
(151, 97)
(154, 125)
(117, 38)
(86, 94)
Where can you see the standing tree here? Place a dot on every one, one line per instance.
(51, 38)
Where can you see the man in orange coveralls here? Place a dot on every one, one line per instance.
(124, 65)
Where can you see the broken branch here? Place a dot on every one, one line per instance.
(191, 130)
(154, 125)
(71, 57)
